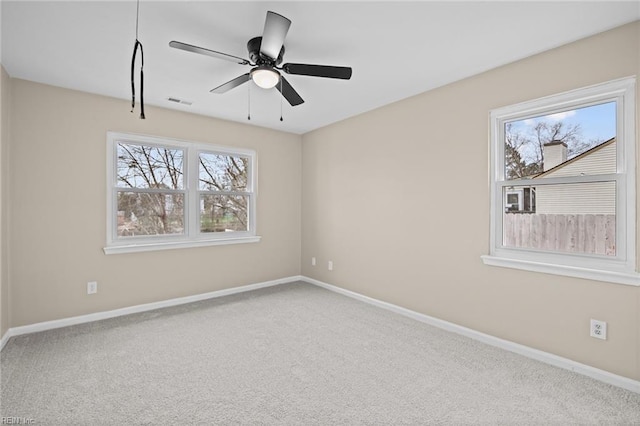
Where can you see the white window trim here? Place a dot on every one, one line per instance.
(517, 192)
(622, 268)
(192, 236)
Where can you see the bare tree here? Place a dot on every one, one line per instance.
(224, 206)
(518, 164)
(524, 149)
(150, 212)
(546, 132)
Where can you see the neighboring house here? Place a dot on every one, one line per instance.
(520, 200)
(579, 198)
(577, 217)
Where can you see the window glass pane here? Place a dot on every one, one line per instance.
(575, 142)
(141, 214)
(223, 213)
(223, 172)
(574, 218)
(149, 167)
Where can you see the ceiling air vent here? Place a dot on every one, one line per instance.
(179, 101)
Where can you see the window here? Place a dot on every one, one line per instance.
(563, 184)
(168, 194)
(513, 200)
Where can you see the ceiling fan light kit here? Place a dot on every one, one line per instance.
(265, 77)
(265, 56)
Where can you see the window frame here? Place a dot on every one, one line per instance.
(192, 236)
(519, 193)
(620, 268)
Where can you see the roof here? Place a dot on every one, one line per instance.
(576, 158)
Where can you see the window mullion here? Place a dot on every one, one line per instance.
(562, 180)
(140, 232)
(194, 198)
(151, 190)
(215, 192)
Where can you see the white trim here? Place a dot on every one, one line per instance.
(81, 319)
(519, 193)
(627, 278)
(548, 358)
(538, 355)
(5, 339)
(584, 96)
(558, 180)
(621, 268)
(166, 245)
(192, 237)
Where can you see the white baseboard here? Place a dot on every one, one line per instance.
(5, 339)
(81, 319)
(548, 358)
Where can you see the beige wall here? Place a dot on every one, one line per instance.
(58, 208)
(5, 93)
(378, 202)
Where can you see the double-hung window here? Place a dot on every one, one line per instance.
(563, 190)
(164, 193)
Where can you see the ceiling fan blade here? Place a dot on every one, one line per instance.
(212, 53)
(289, 92)
(275, 30)
(318, 70)
(231, 84)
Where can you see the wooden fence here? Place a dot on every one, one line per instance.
(573, 233)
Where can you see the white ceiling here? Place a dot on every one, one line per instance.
(396, 49)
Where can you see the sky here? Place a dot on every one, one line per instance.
(597, 121)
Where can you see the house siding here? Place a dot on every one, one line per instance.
(578, 198)
(600, 162)
(583, 198)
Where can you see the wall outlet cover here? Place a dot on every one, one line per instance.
(598, 329)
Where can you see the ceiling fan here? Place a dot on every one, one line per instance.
(265, 56)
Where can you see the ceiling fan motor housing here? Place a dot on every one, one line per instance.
(253, 46)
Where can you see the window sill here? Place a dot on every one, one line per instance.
(168, 245)
(627, 278)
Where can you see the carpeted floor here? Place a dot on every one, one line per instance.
(291, 354)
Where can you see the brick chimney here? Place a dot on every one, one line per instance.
(555, 152)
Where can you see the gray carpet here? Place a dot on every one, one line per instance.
(291, 354)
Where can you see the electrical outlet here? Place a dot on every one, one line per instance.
(313, 261)
(330, 265)
(92, 287)
(598, 329)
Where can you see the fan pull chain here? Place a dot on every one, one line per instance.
(281, 96)
(249, 101)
